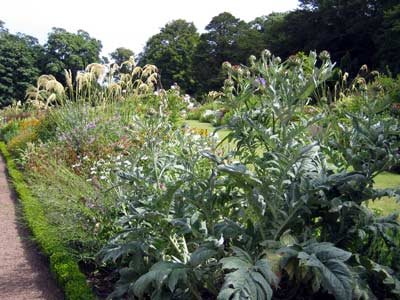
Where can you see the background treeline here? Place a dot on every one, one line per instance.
(355, 32)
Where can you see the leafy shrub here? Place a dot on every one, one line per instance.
(27, 134)
(391, 86)
(10, 130)
(272, 219)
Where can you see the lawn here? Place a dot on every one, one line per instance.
(387, 205)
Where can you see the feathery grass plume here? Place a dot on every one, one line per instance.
(46, 91)
(68, 79)
(137, 71)
(152, 79)
(143, 87)
(43, 79)
(115, 89)
(55, 86)
(96, 70)
(33, 94)
(130, 63)
(148, 70)
(50, 99)
(82, 80)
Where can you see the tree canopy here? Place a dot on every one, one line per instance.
(121, 54)
(19, 56)
(355, 32)
(73, 51)
(172, 51)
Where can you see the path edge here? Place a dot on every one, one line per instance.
(64, 267)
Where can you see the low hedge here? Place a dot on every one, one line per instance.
(66, 269)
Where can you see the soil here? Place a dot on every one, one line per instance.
(24, 272)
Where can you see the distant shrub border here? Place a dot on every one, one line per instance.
(69, 277)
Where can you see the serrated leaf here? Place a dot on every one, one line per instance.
(234, 263)
(201, 255)
(248, 281)
(241, 173)
(175, 276)
(142, 284)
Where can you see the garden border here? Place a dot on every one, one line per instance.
(69, 277)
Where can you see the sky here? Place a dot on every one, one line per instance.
(125, 23)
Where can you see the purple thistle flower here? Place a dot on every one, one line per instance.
(261, 81)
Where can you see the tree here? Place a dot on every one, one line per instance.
(388, 54)
(65, 50)
(121, 54)
(172, 52)
(3, 29)
(355, 31)
(273, 35)
(220, 43)
(19, 56)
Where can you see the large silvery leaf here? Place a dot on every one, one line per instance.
(241, 173)
(247, 281)
(161, 274)
(329, 261)
(325, 263)
(201, 255)
(337, 279)
(326, 251)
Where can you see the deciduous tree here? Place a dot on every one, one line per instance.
(172, 52)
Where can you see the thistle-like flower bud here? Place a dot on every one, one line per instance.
(294, 61)
(226, 66)
(237, 70)
(277, 60)
(345, 76)
(266, 54)
(364, 68)
(324, 55)
(375, 73)
(252, 60)
(228, 83)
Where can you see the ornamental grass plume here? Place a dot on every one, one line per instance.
(96, 70)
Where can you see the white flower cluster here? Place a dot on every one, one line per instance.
(106, 169)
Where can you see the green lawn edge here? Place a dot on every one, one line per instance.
(64, 267)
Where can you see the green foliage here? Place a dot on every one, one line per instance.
(10, 130)
(64, 267)
(200, 223)
(319, 265)
(121, 54)
(69, 51)
(172, 51)
(250, 280)
(218, 44)
(18, 66)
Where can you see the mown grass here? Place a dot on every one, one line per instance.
(386, 205)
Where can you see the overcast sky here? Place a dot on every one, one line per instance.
(125, 23)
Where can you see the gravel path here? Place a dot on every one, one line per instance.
(24, 273)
